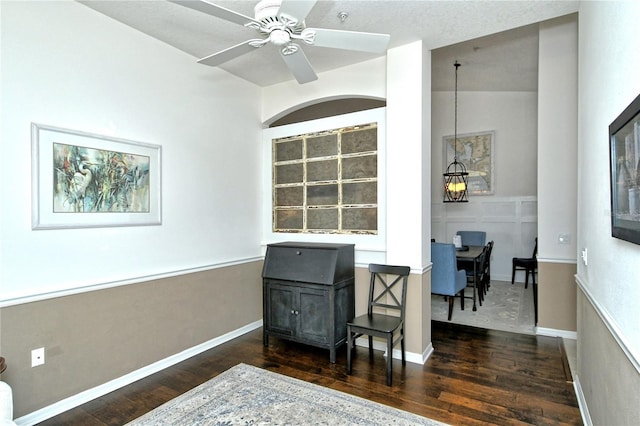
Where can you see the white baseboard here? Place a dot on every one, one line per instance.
(582, 402)
(98, 391)
(412, 357)
(552, 332)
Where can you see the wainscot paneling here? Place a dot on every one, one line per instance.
(511, 222)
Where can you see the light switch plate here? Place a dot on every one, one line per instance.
(37, 357)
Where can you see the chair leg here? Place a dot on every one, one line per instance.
(462, 299)
(404, 359)
(526, 278)
(370, 347)
(513, 273)
(349, 348)
(389, 357)
(450, 308)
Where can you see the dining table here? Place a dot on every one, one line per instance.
(467, 256)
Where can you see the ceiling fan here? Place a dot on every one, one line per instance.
(281, 22)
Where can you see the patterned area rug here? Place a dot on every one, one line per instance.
(506, 307)
(252, 396)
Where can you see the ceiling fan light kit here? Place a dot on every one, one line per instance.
(282, 22)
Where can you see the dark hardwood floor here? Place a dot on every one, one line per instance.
(475, 376)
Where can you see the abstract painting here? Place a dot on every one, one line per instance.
(87, 180)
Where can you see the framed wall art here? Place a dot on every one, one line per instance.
(475, 151)
(83, 180)
(624, 140)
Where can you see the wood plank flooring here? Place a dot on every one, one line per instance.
(475, 376)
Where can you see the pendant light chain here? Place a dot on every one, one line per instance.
(456, 175)
(455, 116)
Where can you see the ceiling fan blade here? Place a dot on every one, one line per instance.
(231, 53)
(348, 40)
(299, 66)
(298, 9)
(217, 11)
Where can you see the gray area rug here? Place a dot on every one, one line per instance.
(506, 307)
(249, 395)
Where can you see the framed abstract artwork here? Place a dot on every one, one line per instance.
(475, 151)
(624, 143)
(84, 180)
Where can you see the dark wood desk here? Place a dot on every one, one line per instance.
(465, 257)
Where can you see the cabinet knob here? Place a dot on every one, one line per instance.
(298, 253)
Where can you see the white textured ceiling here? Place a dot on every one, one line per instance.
(493, 40)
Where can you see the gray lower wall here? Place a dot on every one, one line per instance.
(608, 379)
(556, 295)
(94, 337)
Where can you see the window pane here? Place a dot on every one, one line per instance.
(288, 173)
(360, 193)
(360, 141)
(360, 219)
(322, 146)
(288, 219)
(360, 167)
(322, 219)
(290, 150)
(319, 195)
(289, 196)
(322, 170)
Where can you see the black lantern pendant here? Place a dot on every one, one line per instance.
(456, 175)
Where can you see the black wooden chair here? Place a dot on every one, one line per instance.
(385, 284)
(475, 276)
(527, 264)
(486, 268)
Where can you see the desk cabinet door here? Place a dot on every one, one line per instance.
(281, 312)
(313, 318)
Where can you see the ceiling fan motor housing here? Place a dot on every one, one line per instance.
(266, 12)
(266, 9)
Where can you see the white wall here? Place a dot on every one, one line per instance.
(366, 79)
(513, 117)
(609, 37)
(65, 65)
(558, 138)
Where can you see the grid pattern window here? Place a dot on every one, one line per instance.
(327, 182)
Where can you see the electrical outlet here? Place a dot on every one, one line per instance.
(37, 357)
(584, 256)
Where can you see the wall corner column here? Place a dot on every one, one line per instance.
(408, 181)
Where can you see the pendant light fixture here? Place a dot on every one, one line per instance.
(456, 175)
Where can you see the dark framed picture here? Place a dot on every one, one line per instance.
(624, 137)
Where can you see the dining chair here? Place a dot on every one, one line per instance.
(387, 294)
(473, 238)
(446, 278)
(475, 276)
(486, 268)
(527, 264)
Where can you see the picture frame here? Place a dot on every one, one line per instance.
(476, 152)
(624, 160)
(85, 180)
